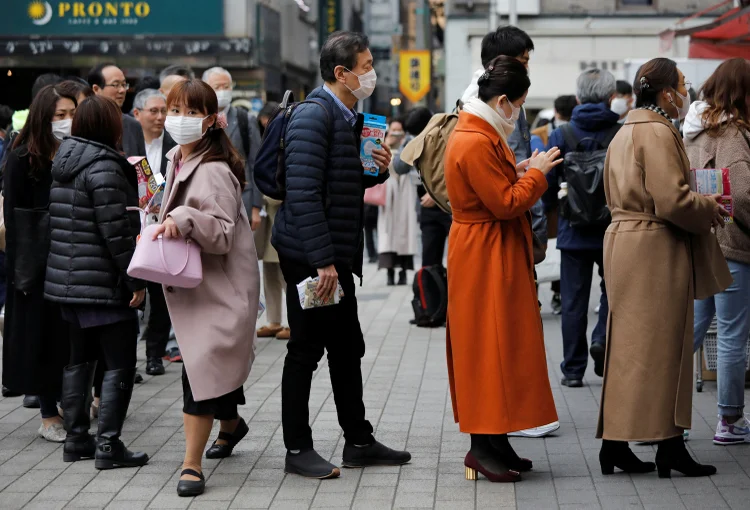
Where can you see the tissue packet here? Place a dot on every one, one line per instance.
(309, 299)
(714, 181)
(373, 135)
(148, 183)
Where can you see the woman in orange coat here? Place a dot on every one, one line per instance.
(496, 358)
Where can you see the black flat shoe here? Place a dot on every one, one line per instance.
(9, 393)
(190, 488)
(310, 464)
(617, 454)
(572, 383)
(31, 402)
(402, 277)
(375, 454)
(597, 353)
(155, 366)
(138, 379)
(221, 451)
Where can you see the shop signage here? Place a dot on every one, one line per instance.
(414, 74)
(329, 18)
(102, 17)
(113, 46)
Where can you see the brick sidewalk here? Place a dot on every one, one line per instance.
(407, 400)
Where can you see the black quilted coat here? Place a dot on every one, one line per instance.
(92, 234)
(321, 220)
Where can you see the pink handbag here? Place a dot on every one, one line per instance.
(173, 262)
(376, 195)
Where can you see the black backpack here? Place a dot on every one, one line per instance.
(270, 163)
(586, 204)
(430, 302)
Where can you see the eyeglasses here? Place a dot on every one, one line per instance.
(118, 85)
(157, 111)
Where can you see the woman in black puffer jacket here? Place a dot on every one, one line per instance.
(92, 240)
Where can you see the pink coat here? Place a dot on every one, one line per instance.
(214, 322)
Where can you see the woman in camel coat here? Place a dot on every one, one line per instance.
(495, 345)
(659, 254)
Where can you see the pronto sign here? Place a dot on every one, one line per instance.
(414, 74)
(99, 17)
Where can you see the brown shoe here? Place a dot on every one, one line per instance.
(284, 334)
(269, 331)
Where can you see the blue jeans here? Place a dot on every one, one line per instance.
(576, 272)
(732, 308)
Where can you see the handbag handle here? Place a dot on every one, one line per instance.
(164, 260)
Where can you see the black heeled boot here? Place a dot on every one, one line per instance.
(617, 454)
(117, 388)
(672, 454)
(501, 444)
(76, 401)
(391, 277)
(402, 277)
(483, 458)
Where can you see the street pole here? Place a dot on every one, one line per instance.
(512, 13)
(493, 15)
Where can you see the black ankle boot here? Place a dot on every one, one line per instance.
(617, 454)
(117, 388)
(391, 277)
(402, 277)
(511, 459)
(672, 454)
(76, 401)
(483, 458)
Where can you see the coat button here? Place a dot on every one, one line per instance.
(170, 289)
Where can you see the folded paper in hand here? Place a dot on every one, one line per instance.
(309, 299)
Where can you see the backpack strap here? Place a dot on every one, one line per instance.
(571, 140)
(611, 133)
(243, 123)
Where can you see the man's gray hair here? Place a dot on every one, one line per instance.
(595, 86)
(215, 70)
(176, 70)
(142, 97)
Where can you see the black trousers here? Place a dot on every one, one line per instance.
(334, 329)
(436, 226)
(159, 323)
(114, 344)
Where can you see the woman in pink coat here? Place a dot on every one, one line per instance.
(215, 322)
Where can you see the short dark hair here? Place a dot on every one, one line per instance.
(509, 41)
(341, 49)
(6, 115)
(96, 74)
(268, 109)
(652, 77)
(75, 87)
(504, 76)
(417, 120)
(42, 81)
(564, 106)
(176, 70)
(624, 88)
(147, 82)
(98, 119)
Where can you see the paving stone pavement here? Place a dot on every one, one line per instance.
(407, 400)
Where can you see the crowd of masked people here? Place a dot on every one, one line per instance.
(72, 228)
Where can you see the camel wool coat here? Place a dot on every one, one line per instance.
(495, 345)
(659, 254)
(214, 322)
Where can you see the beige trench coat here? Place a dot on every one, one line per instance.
(266, 251)
(659, 254)
(215, 322)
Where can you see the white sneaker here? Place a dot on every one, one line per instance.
(732, 433)
(55, 433)
(537, 432)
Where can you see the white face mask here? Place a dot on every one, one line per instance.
(683, 110)
(515, 111)
(185, 130)
(61, 128)
(367, 84)
(224, 97)
(620, 106)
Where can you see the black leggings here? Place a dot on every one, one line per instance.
(114, 344)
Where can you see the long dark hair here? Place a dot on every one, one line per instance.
(727, 92)
(654, 76)
(36, 134)
(215, 145)
(98, 119)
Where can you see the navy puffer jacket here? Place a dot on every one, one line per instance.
(320, 221)
(92, 237)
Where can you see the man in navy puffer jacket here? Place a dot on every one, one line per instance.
(582, 247)
(318, 233)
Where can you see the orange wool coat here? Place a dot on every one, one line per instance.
(495, 346)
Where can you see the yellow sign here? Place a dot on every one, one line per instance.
(414, 74)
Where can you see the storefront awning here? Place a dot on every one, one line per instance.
(727, 36)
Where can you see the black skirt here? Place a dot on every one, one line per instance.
(222, 408)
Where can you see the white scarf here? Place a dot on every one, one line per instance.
(503, 126)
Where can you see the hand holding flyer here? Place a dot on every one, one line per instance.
(373, 134)
(308, 297)
(148, 182)
(714, 181)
